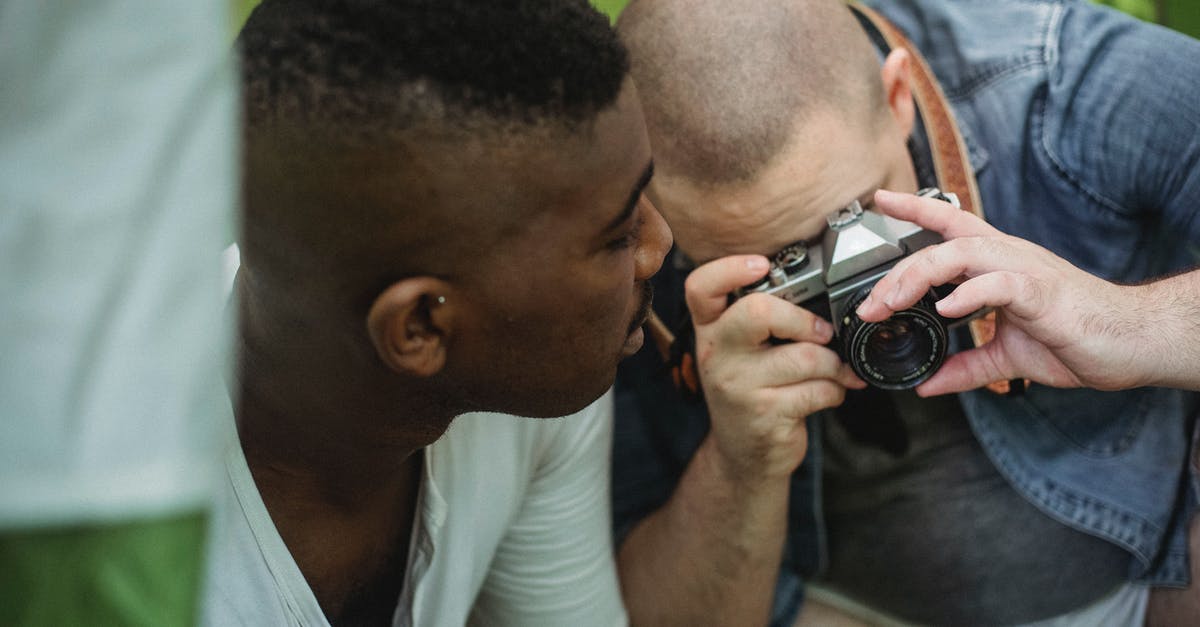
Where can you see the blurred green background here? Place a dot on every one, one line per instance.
(241, 8)
(1182, 15)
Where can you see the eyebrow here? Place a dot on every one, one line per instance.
(868, 196)
(634, 195)
(866, 199)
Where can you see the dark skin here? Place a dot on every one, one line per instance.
(336, 407)
(344, 511)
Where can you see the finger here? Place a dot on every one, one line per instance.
(912, 278)
(964, 371)
(847, 378)
(708, 287)
(891, 293)
(1019, 294)
(935, 215)
(758, 317)
(804, 399)
(787, 364)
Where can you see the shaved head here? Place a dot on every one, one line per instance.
(726, 83)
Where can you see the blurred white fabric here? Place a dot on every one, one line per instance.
(117, 186)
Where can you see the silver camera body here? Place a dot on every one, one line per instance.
(832, 276)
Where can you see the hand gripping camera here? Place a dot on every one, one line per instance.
(831, 277)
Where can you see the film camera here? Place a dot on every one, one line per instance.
(831, 277)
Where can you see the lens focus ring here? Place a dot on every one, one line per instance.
(898, 353)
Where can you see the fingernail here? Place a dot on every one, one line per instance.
(756, 263)
(823, 328)
(885, 195)
(864, 305)
(943, 304)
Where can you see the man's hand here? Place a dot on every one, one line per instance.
(1055, 323)
(758, 392)
(718, 541)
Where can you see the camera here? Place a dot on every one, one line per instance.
(833, 275)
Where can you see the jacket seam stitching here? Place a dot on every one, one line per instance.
(1054, 42)
(1058, 163)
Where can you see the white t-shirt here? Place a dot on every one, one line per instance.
(512, 528)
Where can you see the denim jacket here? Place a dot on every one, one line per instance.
(1083, 127)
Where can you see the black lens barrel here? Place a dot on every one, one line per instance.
(898, 353)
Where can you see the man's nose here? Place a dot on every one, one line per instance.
(655, 242)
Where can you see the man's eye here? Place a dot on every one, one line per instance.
(625, 241)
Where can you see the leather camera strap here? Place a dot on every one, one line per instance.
(952, 167)
(951, 162)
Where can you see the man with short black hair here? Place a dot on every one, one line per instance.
(1077, 126)
(443, 217)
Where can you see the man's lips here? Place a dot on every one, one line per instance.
(643, 312)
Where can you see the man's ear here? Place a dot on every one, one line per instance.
(410, 324)
(895, 73)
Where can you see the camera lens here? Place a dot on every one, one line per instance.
(898, 353)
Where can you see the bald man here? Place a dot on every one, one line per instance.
(443, 219)
(789, 475)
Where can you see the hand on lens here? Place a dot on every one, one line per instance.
(1055, 323)
(759, 392)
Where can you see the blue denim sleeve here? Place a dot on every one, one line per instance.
(1122, 117)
